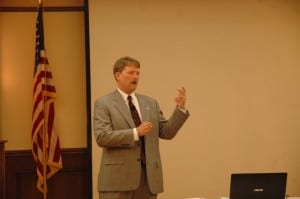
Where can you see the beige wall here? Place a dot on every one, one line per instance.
(64, 41)
(239, 61)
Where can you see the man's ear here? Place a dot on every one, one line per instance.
(117, 75)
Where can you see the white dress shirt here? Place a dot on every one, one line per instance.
(136, 104)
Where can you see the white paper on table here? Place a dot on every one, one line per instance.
(224, 197)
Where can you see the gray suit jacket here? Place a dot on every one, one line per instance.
(120, 164)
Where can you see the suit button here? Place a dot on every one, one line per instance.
(138, 159)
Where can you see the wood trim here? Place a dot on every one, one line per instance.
(2, 168)
(71, 182)
(88, 94)
(46, 9)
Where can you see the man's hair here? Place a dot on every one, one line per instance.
(125, 61)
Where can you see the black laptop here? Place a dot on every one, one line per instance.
(258, 185)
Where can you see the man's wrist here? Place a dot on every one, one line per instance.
(182, 109)
(135, 135)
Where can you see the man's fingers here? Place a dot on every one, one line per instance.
(146, 127)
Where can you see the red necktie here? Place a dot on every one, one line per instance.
(134, 113)
(137, 122)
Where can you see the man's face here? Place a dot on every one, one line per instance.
(128, 78)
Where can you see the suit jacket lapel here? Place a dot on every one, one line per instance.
(120, 104)
(144, 108)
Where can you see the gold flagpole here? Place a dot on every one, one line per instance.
(44, 148)
(44, 134)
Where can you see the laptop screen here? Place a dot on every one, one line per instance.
(258, 185)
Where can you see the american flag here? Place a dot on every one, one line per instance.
(45, 142)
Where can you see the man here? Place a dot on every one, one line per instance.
(128, 129)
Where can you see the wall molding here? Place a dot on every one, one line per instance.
(46, 9)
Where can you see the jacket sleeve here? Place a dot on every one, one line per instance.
(168, 129)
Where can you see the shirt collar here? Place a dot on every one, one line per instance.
(125, 95)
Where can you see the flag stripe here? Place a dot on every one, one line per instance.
(45, 142)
